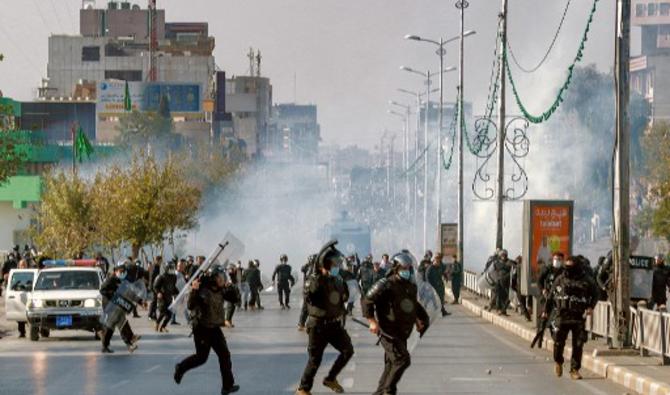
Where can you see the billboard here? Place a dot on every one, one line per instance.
(112, 92)
(547, 228)
(181, 97)
(146, 96)
(449, 240)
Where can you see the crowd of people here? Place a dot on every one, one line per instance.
(569, 289)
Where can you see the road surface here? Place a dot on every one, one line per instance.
(460, 354)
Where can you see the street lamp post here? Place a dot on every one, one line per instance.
(406, 119)
(438, 178)
(427, 75)
(461, 5)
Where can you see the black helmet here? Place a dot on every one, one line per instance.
(283, 257)
(217, 270)
(403, 260)
(328, 253)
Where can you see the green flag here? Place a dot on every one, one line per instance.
(127, 103)
(82, 146)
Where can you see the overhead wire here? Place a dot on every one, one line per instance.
(546, 54)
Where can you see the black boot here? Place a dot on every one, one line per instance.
(226, 391)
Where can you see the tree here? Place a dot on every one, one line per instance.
(149, 129)
(65, 216)
(145, 202)
(11, 158)
(657, 146)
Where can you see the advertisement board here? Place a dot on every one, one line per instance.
(181, 97)
(547, 228)
(146, 96)
(111, 94)
(449, 240)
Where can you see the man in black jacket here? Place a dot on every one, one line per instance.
(284, 281)
(326, 295)
(155, 272)
(165, 287)
(206, 300)
(573, 296)
(107, 290)
(660, 284)
(392, 309)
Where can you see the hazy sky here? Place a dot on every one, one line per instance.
(346, 54)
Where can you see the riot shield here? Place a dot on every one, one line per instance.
(230, 248)
(430, 301)
(126, 297)
(488, 279)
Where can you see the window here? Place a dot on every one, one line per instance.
(664, 9)
(67, 280)
(22, 282)
(639, 9)
(651, 9)
(90, 54)
(123, 75)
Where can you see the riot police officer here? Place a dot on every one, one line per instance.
(392, 309)
(165, 286)
(326, 296)
(284, 280)
(206, 301)
(573, 296)
(307, 270)
(107, 290)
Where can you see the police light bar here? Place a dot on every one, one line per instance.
(69, 263)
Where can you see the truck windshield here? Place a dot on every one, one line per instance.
(67, 280)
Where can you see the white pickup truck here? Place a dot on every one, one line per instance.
(60, 297)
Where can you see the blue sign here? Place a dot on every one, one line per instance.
(181, 97)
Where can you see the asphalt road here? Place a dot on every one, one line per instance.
(459, 355)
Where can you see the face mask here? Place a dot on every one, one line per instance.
(572, 269)
(557, 263)
(405, 274)
(122, 276)
(334, 271)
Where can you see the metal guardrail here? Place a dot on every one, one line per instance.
(651, 333)
(470, 282)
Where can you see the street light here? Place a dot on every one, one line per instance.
(438, 178)
(428, 75)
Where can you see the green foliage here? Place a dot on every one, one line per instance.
(11, 158)
(146, 128)
(657, 147)
(65, 216)
(138, 204)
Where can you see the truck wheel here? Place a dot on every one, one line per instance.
(44, 332)
(34, 333)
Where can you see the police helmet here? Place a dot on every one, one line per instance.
(283, 258)
(217, 270)
(403, 260)
(329, 253)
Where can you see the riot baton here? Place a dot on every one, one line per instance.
(198, 273)
(365, 324)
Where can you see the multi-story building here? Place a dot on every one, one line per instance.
(249, 101)
(293, 135)
(114, 46)
(650, 70)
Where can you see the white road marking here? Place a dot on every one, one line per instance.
(151, 369)
(120, 383)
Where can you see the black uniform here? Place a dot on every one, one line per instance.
(307, 270)
(207, 304)
(326, 297)
(165, 285)
(660, 283)
(107, 290)
(255, 285)
(155, 272)
(394, 303)
(366, 276)
(284, 280)
(435, 277)
(503, 267)
(572, 293)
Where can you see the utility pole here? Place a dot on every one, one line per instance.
(501, 130)
(438, 176)
(425, 164)
(621, 234)
(462, 5)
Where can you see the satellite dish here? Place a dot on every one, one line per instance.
(136, 7)
(88, 4)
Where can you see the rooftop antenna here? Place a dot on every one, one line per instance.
(258, 63)
(251, 55)
(153, 46)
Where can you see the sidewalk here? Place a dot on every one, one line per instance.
(644, 375)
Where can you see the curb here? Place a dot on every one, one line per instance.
(621, 375)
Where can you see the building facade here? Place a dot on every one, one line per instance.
(294, 134)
